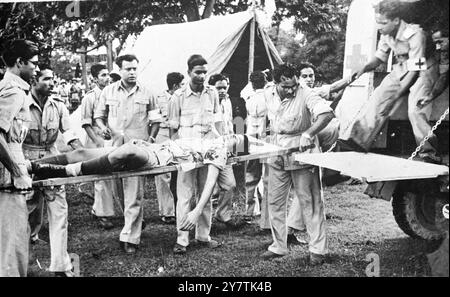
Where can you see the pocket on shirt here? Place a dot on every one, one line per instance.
(140, 105)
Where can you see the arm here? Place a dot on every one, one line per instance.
(343, 83)
(87, 114)
(370, 66)
(307, 137)
(21, 179)
(174, 110)
(438, 88)
(188, 222)
(101, 116)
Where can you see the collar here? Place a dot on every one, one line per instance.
(120, 86)
(189, 91)
(16, 80)
(34, 101)
(401, 30)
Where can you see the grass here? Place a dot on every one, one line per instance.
(357, 226)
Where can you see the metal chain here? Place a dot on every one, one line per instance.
(430, 134)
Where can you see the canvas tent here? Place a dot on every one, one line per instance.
(223, 40)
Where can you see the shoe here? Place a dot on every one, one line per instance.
(128, 248)
(44, 171)
(294, 240)
(168, 220)
(105, 223)
(316, 259)
(429, 159)
(178, 249)
(212, 244)
(302, 237)
(68, 273)
(268, 255)
(232, 224)
(348, 145)
(248, 219)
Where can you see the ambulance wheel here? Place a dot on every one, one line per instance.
(417, 208)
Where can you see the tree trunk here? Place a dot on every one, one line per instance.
(209, 8)
(190, 8)
(109, 53)
(83, 68)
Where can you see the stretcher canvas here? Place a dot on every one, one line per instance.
(258, 150)
(371, 167)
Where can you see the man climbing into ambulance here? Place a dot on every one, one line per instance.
(414, 73)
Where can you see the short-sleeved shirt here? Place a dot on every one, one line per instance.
(14, 117)
(88, 106)
(410, 40)
(226, 111)
(256, 113)
(291, 118)
(46, 123)
(194, 114)
(162, 102)
(128, 114)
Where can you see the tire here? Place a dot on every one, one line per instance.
(417, 208)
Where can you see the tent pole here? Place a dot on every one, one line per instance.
(251, 50)
(266, 47)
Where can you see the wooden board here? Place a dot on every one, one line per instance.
(374, 167)
(258, 150)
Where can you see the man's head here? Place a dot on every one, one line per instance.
(221, 83)
(197, 69)
(286, 80)
(258, 80)
(174, 80)
(21, 55)
(100, 74)
(388, 15)
(43, 83)
(306, 74)
(128, 68)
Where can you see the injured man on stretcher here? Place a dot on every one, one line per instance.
(142, 155)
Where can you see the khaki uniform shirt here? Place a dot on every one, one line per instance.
(256, 114)
(162, 103)
(46, 123)
(290, 118)
(226, 112)
(409, 46)
(194, 114)
(128, 114)
(88, 106)
(14, 118)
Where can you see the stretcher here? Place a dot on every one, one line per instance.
(258, 150)
(418, 191)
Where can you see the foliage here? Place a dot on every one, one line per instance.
(323, 35)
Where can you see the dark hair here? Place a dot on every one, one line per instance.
(217, 77)
(41, 69)
(128, 58)
(304, 65)
(174, 78)
(390, 8)
(195, 60)
(96, 68)
(114, 76)
(258, 79)
(19, 48)
(286, 70)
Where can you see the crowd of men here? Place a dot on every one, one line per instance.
(289, 112)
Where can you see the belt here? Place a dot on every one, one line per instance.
(32, 147)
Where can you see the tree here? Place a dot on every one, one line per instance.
(322, 25)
